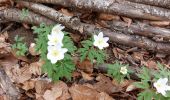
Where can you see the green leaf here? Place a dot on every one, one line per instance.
(145, 95)
(142, 85)
(114, 71)
(145, 74)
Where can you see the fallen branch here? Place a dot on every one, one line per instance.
(140, 29)
(118, 37)
(13, 14)
(8, 87)
(160, 3)
(123, 8)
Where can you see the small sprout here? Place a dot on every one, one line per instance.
(25, 13)
(161, 86)
(19, 46)
(100, 41)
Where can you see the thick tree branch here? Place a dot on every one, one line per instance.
(118, 37)
(119, 7)
(140, 29)
(160, 3)
(13, 14)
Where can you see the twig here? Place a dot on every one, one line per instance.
(13, 14)
(7, 28)
(140, 29)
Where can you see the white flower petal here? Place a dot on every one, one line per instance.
(106, 39)
(100, 41)
(100, 35)
(53, 61)
(95, 37)
(163, 80)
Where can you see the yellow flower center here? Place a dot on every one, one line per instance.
(55, 53)
(158, 85)
(55, 40)
(100, 41)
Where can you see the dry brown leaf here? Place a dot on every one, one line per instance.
(105, 85)
(66, 12)
(27, 85)
(76, 37)
(121, 86)
(5, 49)
(35, 68)
(151, 64)
(23, 58)
(86, 66)
(18, 75)
(131, 87)
(118, 53)
(41, 86)
(107, 17)
(127, 20)
(80, 92)
(104, 96)
(84, 92)
(32, 50)
(59, 91)
(87, 76)
(51, 95)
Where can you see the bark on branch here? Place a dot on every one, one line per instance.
(119, 7)
(140, 29)
(160, 3)
(13, 14)
(118, 37)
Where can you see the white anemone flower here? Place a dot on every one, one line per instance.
(56, 53)
(123, 70)
(100, 41)
(55, 39)
(57, 29)
(161, 86)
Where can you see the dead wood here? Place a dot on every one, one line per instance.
(160, 3)
(13, 14)
(115, 36)
(140, 29)
(8, 87)
(119, 7)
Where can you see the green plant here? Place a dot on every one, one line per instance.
(90, 52)
(114, 70)
(148, 77)
(62, 68)
(24, 14)
(19, 46)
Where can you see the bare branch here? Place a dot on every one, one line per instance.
(120, 7)
(13, 14)
(140, 29)
(160, 3)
